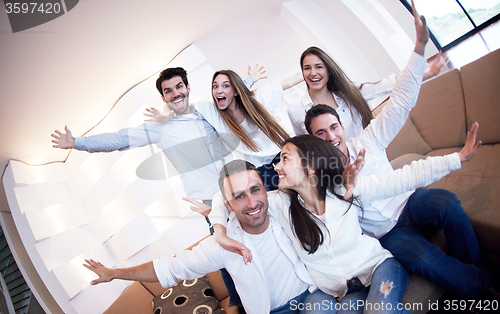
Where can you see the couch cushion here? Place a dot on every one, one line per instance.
(481, 85)
(190, 297)
(134, 300)
(408, 141)
(439, 114)
(476, 185)
(406, 159)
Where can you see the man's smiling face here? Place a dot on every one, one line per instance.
(247, 197)
(328, 127)
(176, 95)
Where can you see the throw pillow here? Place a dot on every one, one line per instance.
(189, 297)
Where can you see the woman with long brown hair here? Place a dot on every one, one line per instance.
(328, 84)
(244, 120)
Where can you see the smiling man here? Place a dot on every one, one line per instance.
(188, 140)
(276, 281)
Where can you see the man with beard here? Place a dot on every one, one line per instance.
(188, 140)
(276, 282)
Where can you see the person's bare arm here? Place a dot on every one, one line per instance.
(291, 81)
(144, 272)
(422, 31)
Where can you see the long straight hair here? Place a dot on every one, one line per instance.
(254, 111)
(328, 162)
(340, 84)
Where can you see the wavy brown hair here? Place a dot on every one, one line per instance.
(254, 111)
(340, 84)
(328, 162)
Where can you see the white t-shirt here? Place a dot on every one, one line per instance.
(274, 261)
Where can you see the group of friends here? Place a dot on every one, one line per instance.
(313, 223)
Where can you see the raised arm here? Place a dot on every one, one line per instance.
(418, 174)
(143, 272)
(291, 81)
(422, 31)
(257, 73)
(63, 140)
(382, 130)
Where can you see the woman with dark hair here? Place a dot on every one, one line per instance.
(321, 218)
(328, 84)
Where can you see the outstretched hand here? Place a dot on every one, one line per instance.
(422, 31)
(257, 72)
(156, 115)
(104, 273)
(471, 147)
(234, 246)
(198, 207)
(351, 172)
(63, 140)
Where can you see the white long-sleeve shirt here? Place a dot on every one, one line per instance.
(349, 115)
(270, 97)
(380, 216)
(250, 280)
(188, 141)
(346, 251)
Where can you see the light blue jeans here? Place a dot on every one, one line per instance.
(384, 295)
(308, 303)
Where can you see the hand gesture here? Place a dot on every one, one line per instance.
(104, 273)
(257, 72)
(351, 172)
(198, 207)
(422, 31)
(471, 147)
(156, 115)
(433, 68)
(233, 246)
(63, 140)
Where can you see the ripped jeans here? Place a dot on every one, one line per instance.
(384, 295)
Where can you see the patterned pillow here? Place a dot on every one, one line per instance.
(189, 297)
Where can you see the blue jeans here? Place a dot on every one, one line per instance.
(433, 209)
(307, 303)
(384, 295)
(269, 176)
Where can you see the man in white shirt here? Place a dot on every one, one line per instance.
(400, 222)
(276, 281)
(188, 140)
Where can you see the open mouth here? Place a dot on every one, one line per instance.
(336, 144)
(315, 80)
(221, 101)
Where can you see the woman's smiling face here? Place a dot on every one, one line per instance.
(290, 170)
(315, 72)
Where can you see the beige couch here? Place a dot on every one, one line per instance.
(446, 108)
